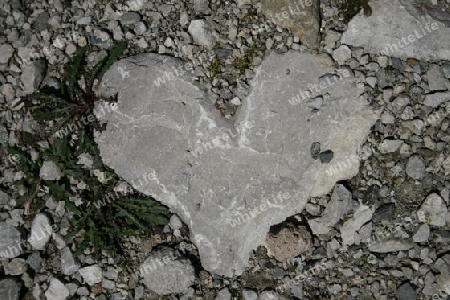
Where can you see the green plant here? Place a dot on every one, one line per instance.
(351, 8)
(71, 100)
(244, 62)
(96, 221)
(214, 68)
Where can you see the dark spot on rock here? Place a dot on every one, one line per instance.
(372, 195)
(315, 150)
(326, 156)
(384, 213)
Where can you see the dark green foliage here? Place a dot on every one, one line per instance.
(214, 68)
(97, 221)
(71, 101)
(351, 8)
(244, 62)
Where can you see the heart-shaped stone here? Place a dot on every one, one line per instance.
(230, 180)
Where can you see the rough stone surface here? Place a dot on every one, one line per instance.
(406, 292)
(390, 245)
(165, 273)
(434, 100)
(175, 222)
(16, 266)
(415, 167)
(6, 52)
(302, 19)
(362, 215)
(41, 231)
(384, 213)
(68, 264)
(433, 210)
(436, 80)
(249, 295)
(201, 6)
(10, 289)
(223, 294)
(201, 33)
(92, 274)
(391, 22)
(289, 242)
(340, 204)
(422, 234)
(10, 242)
(342, 54)
(50, 171)
(217, 175)
(56, 290)
(130, 18)
(4, 198)
(389, 145)
(268, 295)
(32, 75)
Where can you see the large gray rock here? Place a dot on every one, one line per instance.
(230, 181)
(398, 28)
(301, 17)
(10, 242)
(10, 289)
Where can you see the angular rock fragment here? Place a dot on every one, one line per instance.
(92, 274)
(301, 18)
(406, 292)
(362, 215)
(230, 181)
(50, 171)
(68, 263)
(164, 272)
(415, 167)
(6, 52)
(32, 75)
(422, 234)
(390, 245)
(41, 231)
(340, 204)
(56, 290)
(223, 294)
(201, 33)
(433, 210)
(10, 242)
(436, 80)
(10, 289)
(434, 100)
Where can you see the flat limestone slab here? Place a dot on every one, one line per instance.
(230, 181)
(401, 29)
